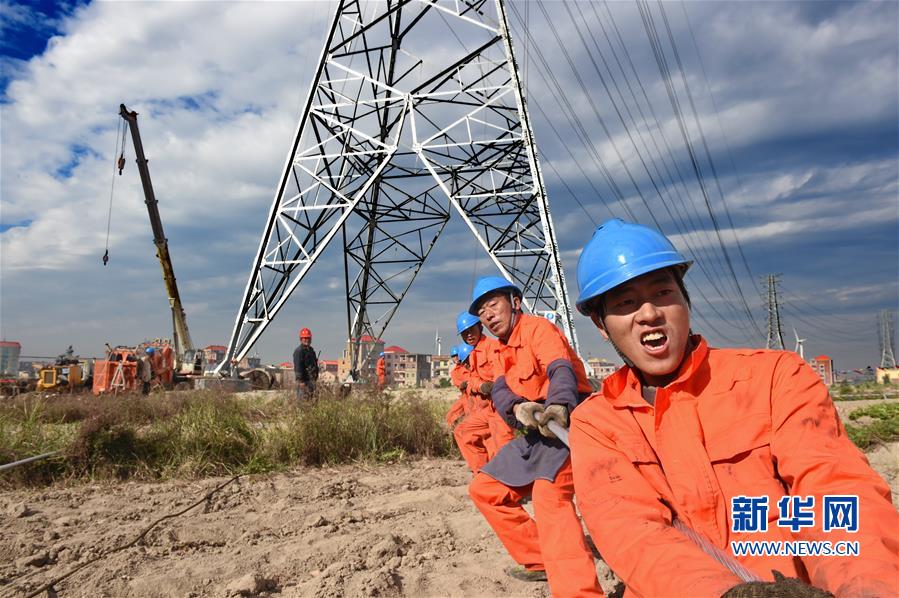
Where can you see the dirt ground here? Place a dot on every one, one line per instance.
(390, 530)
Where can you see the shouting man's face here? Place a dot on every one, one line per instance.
(648, 319)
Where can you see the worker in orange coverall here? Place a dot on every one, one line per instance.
(484, 421)
(471, 439)
(710, 436)
(381, 370)
(538, 378)
(457, 409)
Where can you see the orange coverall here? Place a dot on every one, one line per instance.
(381, 369)
(483, 432)
(735, 422)
(555, 541)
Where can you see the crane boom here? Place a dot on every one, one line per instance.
(184, 348)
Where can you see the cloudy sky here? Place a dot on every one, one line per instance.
(796, 103)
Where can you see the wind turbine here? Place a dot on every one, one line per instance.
(799, 342)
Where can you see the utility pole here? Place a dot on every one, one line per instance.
(885, 332)
(394, 138)
(775, 335)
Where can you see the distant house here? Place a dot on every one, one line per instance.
(369, 349)
(441, 365)
(405, 369)
(823, 365)
(215, 353)
(327, 371)
(9, 358)
(601, 367)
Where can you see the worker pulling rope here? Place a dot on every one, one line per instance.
(707, 547)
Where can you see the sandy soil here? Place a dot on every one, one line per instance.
(391, 530)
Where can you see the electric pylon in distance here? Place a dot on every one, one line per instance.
(416, 112)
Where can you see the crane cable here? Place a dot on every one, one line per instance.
(119, 164)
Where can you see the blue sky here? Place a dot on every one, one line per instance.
(798, 103)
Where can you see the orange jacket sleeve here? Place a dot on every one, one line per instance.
(458, 375)
(456, 411)
(628, 521)
(815, 457)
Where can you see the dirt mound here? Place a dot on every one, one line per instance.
(392, 530)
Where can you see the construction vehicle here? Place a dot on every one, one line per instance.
(188, 361)
(63, 376)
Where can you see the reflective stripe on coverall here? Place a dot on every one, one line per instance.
(556, 541)
(735, 422)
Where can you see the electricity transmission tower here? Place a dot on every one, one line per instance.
(775, 335)
(415, 112)
(885, 332)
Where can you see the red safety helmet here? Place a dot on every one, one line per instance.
(305, 333)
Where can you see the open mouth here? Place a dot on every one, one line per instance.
(655, 339)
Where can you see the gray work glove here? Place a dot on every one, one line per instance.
(556, 413)
(486, 388)
(525, 413)
(781, 587)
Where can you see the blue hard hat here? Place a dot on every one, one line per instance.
(381, 354)
(454, 351)
(150, 350)
(464, 351)
(488, 284)
(464, 321)
(620, 251)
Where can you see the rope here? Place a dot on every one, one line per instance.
(49, 586)
(703, 543)
(27, 460)
(116, 163)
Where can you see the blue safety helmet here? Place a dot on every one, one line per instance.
(464, 351)
(488, 284)
(381, 354)
(454, 351)
(620, 251)
(150, 350)
(464, 321)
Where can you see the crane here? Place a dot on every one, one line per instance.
(185, 353)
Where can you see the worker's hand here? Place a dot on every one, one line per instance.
(451, 419)
(525, 413)
(463, 386)
(486, 388)
(781, 587)
(556, 413)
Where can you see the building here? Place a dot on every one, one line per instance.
(884, 374)
(441, 366)
(369, 349)
(405, 369)
(214, 354)
(9, 358)
(823, 365)
(601, 367)
(327, 371)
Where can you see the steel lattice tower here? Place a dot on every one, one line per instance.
(775, 335)
(885, 332)
(416, 111)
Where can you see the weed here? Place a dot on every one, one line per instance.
(883, 427)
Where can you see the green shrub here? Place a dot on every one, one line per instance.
(883, 428)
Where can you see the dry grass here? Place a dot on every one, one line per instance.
(206, 433)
